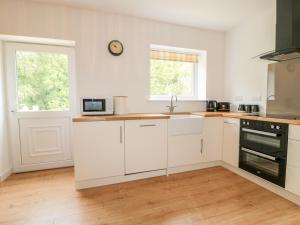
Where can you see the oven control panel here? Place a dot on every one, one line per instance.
(264, 125)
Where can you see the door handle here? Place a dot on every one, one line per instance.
(233, 123)
(259, 154)
(201, 147)
(260, 132)
(121, 135)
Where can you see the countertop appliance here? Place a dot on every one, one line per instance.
(241, 108)
(223, 107)
(263, 149)
(283, 99)
(120, 105)
(287, 31)
(255, 108)
(211, 106)
(248, 109)
(97, 105)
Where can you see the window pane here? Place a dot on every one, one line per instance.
(42, 81)
(172, 78)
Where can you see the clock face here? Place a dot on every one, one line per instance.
(115, 47)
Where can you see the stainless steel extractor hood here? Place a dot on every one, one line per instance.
(287, 31)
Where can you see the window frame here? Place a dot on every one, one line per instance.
(10, 51)
(61, 52)
(197, 94)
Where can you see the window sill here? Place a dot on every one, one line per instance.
(179, 99)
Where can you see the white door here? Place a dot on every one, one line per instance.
(185, 150)
(213, 138)
(98, 149)
(145, 145)
(231, 135)
(40, 103)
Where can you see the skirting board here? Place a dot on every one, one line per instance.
(5, 174)
(118, 179)
(42, 166)
(198, 166)
(263, 183)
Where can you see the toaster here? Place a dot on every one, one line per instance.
(223, 107)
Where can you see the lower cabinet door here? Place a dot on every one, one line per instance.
(292, 182)
(146, 145)
(231, 134)
(98, 149)
(185, 150)
(213, 138)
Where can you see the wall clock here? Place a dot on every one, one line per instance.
(115, 47)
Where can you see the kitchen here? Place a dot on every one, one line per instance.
(147, 140)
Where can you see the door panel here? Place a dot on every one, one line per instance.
(40, 91)
(145, 145)
(98, 149)
(213, 138)
(231, 142)
(293, 180)
(185, 150)
(45, 140)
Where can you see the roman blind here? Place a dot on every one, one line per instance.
(174, 56)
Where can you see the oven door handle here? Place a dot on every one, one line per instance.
(259, 154)
(260, 132)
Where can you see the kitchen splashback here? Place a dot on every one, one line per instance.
(283, 93)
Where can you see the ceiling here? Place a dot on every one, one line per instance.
(211, 14)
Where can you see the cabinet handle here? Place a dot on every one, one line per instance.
(121, 135)
(148, 125)
(233, 123)
(201, 147)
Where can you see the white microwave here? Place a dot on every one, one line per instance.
(97, 106)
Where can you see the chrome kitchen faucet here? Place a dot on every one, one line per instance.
(172, 106)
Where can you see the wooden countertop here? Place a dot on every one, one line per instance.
(247, 117)
(138, 116)
(149, 116)
(268, 119)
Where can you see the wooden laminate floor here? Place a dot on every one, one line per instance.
(212, 196)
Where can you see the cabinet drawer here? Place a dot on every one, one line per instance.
(292, 183)
(293, 158)
(294, 132)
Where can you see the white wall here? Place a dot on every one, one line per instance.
(245, 79)
(100, 73)
(5, 164)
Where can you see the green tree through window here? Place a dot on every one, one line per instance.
(172, 78)
(42, 81)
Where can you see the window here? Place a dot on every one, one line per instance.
(175, 71)
(42, 81)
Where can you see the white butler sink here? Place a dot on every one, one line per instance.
(185, 124)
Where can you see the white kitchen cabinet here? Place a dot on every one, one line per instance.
(213, 136)
(293, 158)
(231, 137)
(185, 150)
(292, 182)
(294, 132)
(185, 140)
(98, 149)
(146, 145)
(293, 161)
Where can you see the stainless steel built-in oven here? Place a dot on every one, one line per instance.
(263, 149)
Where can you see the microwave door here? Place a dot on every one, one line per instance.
(94, 105)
